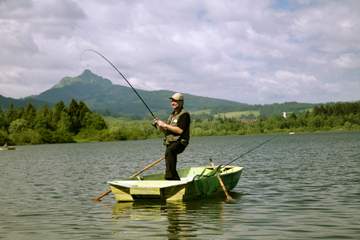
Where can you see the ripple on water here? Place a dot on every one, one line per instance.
(293, 187)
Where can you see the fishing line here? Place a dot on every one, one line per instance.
(122, 75)
(249, 151)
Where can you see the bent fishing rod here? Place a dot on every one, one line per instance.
(122, 75)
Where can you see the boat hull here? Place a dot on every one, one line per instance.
(199, 182)
(7, 148)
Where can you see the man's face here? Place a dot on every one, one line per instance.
(175, 104)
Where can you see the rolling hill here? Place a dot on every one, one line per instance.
(107, 98)
(5, 102)
(102, 96)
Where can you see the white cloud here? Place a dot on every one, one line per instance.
(350, 61)
(249, 51)
(287, 86)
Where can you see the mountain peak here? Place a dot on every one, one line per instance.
(88, 74)
(86, 77)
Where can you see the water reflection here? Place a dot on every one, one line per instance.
(176, 220)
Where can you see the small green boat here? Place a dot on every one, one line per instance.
(195, 182)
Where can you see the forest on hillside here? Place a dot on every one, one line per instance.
(77, 123)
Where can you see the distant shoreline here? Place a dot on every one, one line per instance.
(229, 135)
(76, 123)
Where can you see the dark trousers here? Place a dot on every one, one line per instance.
(172, 150)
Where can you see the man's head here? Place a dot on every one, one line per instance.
(177, 101)
(177, 97)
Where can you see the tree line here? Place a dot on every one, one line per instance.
(325, 117)
(76, 123)
(59, 124)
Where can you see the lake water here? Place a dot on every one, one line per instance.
(294, 187)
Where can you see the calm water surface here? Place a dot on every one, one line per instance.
(293, 187)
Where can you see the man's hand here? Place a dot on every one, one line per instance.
(160, 124)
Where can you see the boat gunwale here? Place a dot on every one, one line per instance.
(171, 183)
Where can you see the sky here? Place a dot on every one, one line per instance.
(249, 51)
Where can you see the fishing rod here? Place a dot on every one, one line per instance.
(249, 151)
(221, 166)
(122, 75)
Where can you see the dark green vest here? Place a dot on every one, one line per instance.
(170, 136)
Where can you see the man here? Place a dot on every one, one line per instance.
(177, 134)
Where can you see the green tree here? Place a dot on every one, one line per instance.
(64, 124)
(316, 122)
(11, 114)
(18, 126)
(29, 114)
(58, 109)
(74, 117)
(3, 137)
(94, 121)
(43, 119)
(2, 119)
(83, 110)
(27, 136)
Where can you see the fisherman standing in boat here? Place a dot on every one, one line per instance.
(177, 134)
